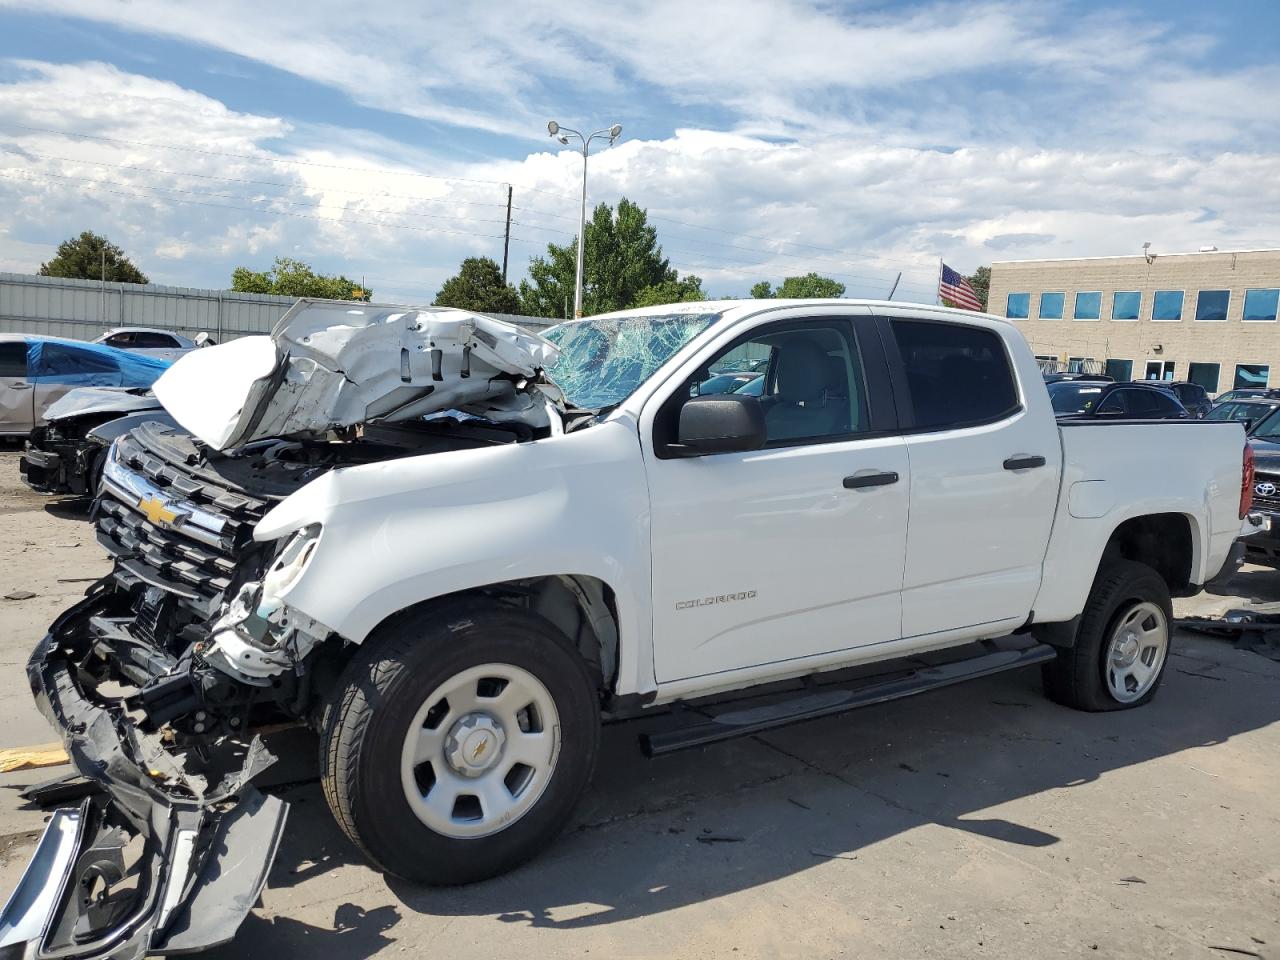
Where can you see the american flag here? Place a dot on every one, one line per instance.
(956, 288)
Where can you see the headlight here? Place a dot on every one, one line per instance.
(287, 567)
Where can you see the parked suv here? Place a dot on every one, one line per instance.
(1137, 400)
(1190, 395)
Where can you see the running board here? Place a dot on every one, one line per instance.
(726, 721)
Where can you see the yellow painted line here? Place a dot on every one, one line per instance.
(26, 758)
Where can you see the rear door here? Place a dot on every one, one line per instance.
(985, 468)
(17, 398)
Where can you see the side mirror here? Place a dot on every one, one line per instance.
(720, 423)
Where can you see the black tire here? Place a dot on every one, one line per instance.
(367, 719)
(1077, 676)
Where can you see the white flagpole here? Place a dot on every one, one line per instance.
(937, 291)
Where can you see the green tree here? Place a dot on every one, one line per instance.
(479, 286)
(83, 258)
(293, 278)
(980, 280)
(685, 290)
(808, 287)
(622, 258)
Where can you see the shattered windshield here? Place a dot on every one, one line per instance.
(603, 360)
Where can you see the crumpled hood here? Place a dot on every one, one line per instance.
(88, 400)
(331, 364)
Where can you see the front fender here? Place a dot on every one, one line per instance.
(399, 532)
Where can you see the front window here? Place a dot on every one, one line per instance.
(1088, 306)
(1261, 304)
(1125, 305)
(1017, 306)
(1212, 304)
(604, 359)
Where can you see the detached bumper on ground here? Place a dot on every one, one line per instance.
(150, 860)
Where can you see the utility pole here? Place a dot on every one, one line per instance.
(102, 290)
(506, 237)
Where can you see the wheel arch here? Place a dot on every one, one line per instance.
(582, 607)
(1166, 542)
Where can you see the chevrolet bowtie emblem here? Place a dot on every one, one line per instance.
(156, 511)
(481, 747)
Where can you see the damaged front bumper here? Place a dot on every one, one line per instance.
(153, 860)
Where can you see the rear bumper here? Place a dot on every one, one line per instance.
(1263, 547)
(205, 850)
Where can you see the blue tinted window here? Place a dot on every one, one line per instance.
(1051, 306)
(1167, 305)
(1212, 304)
(1260, 304)
(1088, 306)
(1017, 306)
(1125, 305)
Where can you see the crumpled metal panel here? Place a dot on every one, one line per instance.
(330, 364)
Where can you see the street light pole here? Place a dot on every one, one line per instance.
(563, 134)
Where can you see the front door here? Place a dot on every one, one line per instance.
(795, 550)
(16, 393)
(984, 480)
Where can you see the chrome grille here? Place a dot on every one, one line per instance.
(171, 522)
(1270, 482)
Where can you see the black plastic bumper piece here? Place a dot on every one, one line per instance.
(741, 718)
(205, 851)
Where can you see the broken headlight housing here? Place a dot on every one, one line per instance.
(259, 636)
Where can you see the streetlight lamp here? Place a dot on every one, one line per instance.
(563, 134)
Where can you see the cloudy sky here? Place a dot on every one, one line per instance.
(765, 137)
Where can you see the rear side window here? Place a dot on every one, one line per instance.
(957, 375)
(149, 341)
(13, 360)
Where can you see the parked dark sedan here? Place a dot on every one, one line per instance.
(1139, 400)
(1248, 412)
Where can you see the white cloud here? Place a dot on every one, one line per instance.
(853, 202)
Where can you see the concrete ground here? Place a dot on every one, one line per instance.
(978, 821)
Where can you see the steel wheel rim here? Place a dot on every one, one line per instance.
(1136, 652)
(480, 751)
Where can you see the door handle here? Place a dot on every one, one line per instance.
(860, 480)
(1023, 463)
(19, 386)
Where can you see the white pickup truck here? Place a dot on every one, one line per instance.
(456, 548)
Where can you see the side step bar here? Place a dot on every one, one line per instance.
(726, 721)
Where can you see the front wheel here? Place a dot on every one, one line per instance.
(1122, 643)
(459, 742)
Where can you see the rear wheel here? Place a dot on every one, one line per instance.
(1122, 643)
(459, 742)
